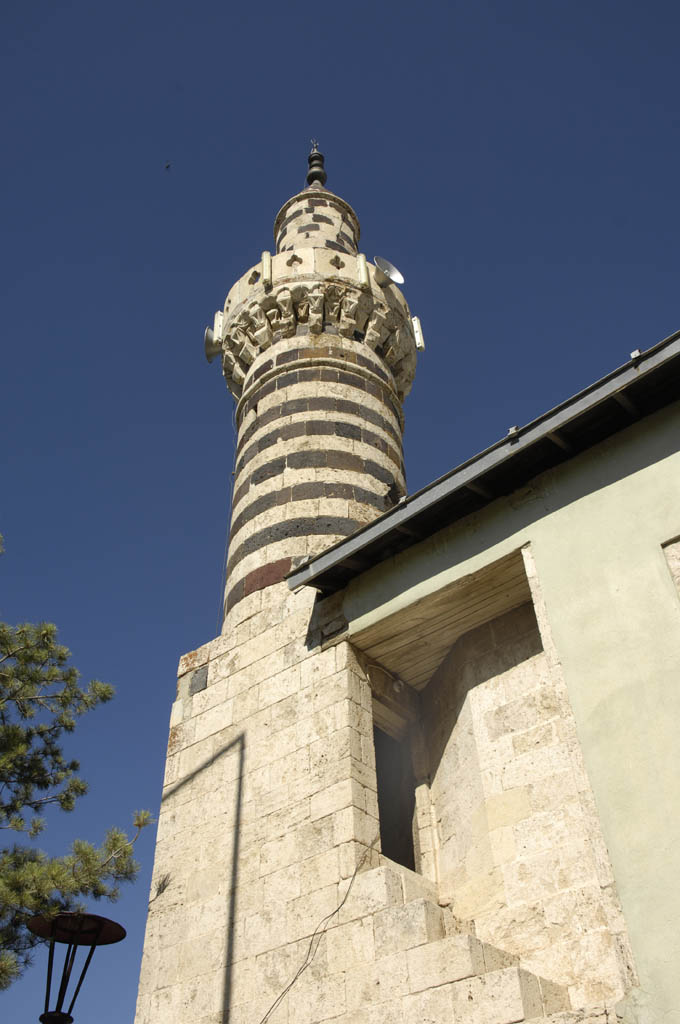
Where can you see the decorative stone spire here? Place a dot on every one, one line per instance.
(316, 172)
(319, 352)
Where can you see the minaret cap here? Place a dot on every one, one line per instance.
(316, 173)
(326, 221)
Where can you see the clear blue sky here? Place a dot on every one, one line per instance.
(516, 159)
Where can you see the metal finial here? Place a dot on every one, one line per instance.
(316, 173)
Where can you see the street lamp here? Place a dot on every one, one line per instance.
(73, 930)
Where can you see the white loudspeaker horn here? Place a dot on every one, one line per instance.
(387, 273)
(212, 339)
(212, 347)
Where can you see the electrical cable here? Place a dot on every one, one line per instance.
(318, 934)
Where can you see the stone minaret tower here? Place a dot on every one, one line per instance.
(269, 802)
(319, 356)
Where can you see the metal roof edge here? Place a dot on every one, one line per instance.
(549, 422)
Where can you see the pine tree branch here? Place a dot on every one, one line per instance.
(128, 844)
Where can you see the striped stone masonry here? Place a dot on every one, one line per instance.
(267, 839)
(319, 455)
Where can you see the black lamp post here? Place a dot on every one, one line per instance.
(73, 930)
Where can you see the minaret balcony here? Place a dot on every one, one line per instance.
(310, 292)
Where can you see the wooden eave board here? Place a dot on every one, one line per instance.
(413, 642)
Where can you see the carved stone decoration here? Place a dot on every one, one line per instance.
(233, 371)
(261, 330)
(365, 306)
(316, 305)
(308, 305)
(334, 297)
(248, 353)
(239, 337)
(348, 315)
(282, 316)
(377, 328)
(228, 362)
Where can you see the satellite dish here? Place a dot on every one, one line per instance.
(212, 348)
(387, 272)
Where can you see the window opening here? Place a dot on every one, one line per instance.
(396, 797)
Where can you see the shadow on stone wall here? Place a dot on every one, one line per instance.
(239, 744)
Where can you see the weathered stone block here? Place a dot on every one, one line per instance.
(349, 945)
(494, 998)
(554, 997)
(282, 885)
(377, 984)
(371, 891)
(306, 913)
(444, 960)
(352, 824)
(266, 930)
(214, 720)
(430, 1007)
(319, 871)
(279, 853)
(536, 764)
(279, 685)
(508, 807)
(333, 798)
(401, 928)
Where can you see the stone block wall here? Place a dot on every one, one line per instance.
(268, 852)
(268, 805)
(520, 848)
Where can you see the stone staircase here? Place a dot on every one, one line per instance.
(430, 968)
(468, 981)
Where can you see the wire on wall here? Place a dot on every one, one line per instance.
(318, 934)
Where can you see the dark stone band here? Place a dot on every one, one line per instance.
(239, 493)
(317, 460)
(307, 492)
(258, 579)
(315, 526)
(293, 355)
(319, 428)
(318, 404)
(325, 374)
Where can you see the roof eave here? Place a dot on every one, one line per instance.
(344, 558)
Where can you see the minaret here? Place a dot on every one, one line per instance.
(269, 803)
(318, 350)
